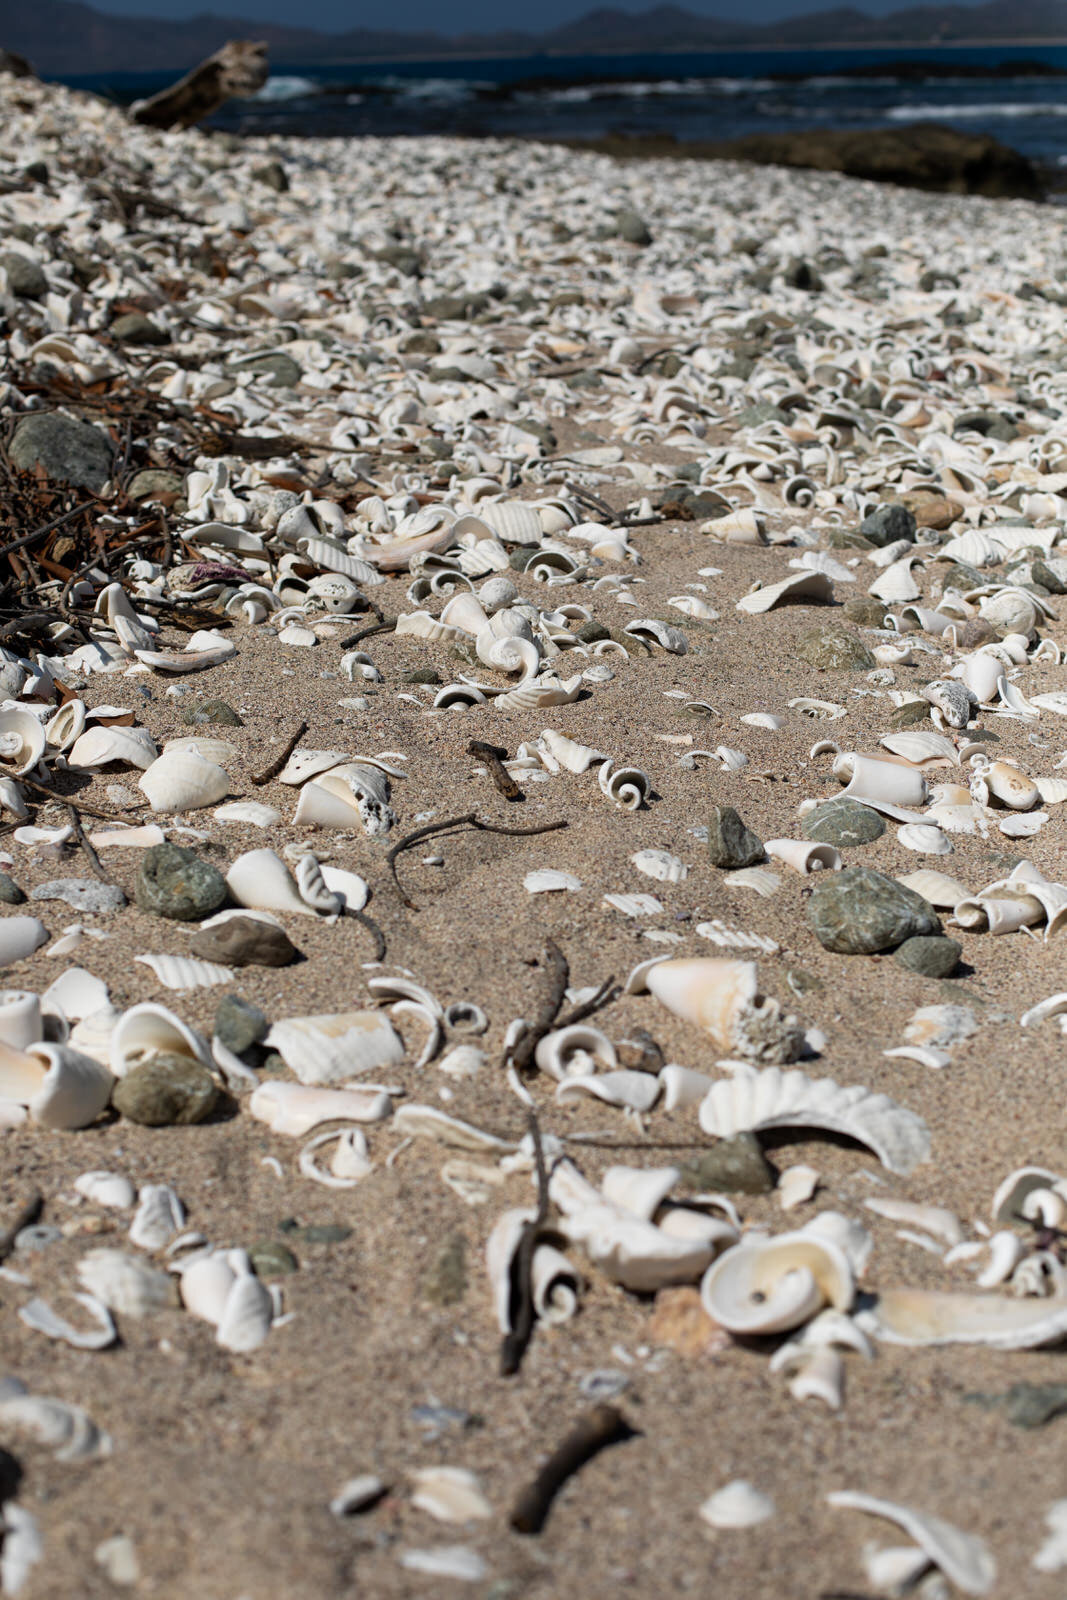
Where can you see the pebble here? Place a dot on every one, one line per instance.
(730, 843)
(843, 823)
(865, 610)
(834, 650)
(244, 942)
(932, 957)
(66, 450)
(133, 327)
(1026, 1405)
(201, 712)
(165, 1091)
(10, 893)
(177, 883)
(272, 1259)
(888, 523)
(736, 1165)
(84, 894)
(445, 1284)
(860, 911)
(238, 1024)
(24, 277)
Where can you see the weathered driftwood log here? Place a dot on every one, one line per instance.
(238, 69)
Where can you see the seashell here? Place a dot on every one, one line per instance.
(65, 1429)
(472, 1181)
(60, 1087)
(355, 794)
(23, 1547)
(821, 710)
(101, 746)
(465, 611)
(962, 1557)
(796, 1186)
(125, 838)
(628, 787)
(38, 1314)
(919, 747)
(634, 905)
(186, 972)
(312, 887)
(20, 1017)
(879, 783)
(574, 1051)
(765, 1286)
(728, 938)
(261, 880)
(567, 753)
(807, 586)
(333, 592)
(160, 1215)
(305, 764)
(183, 781)
(447, 1561)
(637, 1091)
(451, 1494)
(722, 998)
(931, 1317)
(628, 1249)
(124, 1283)
(351, 1162)
(426, 1122)
(1009, 786)
(1052, 1557)
(936, 887)
(940, 1025)
(358, 1494)
(759, 879)
(106, 1189)
(251, 812)
(332, 1048)
(22, 742)
(249, 1310)
(939, 1221)
(1013, 610)
(743, 526)
(546, 880)
(805, 857)
(953, 700)
(751, 1101)
(650, 630)
(295, 1108)
(660, 865)
(19, 938)
(924, 839)
(149, 1029)
(66, 726)
(763, 719)
(217, 750)
(536, 693)
(463, 1016)
(737, 1505)
(981, 673)
(923, 1055)
(1010, 1203)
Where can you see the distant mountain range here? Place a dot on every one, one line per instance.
(64, 37)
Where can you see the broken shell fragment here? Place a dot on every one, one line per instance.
(738, 1505)
(335, 1047)
(962, 1557)
(722, 998)
(764, 1286)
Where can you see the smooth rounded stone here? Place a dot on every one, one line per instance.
(1045, 576)
(860, 911)
(272, 173)
(202, 712)
(323, 1233)
(961, 575)
(931, 957)
(910, 714)
(973, 633)
(445, 1283)
(10, 893)
(632, 227)
(887, 523)
(84, 894)
(421, 675)
(239, 1024)
(736, 1166)
(834, 649)
(843, 823)
(177, 883)
(244, 942)
(423, 343)
(272, 1259)
(937, 514)
(25, 278)
(730, 843)
(865, 610)
(154, 481)
(65, 449)
(274, 368)
(165, 1091)
(133, 327)
(592, 632)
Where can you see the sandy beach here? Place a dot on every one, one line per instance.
(708, 374)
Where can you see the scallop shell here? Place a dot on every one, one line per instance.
(183, 781)
(186, 972)
(751, 1101)
(806, 586)
(962, 1557)
(924, 839)
(332, 1048)
(660, 865)
(101, 746)
(722, 997)
(937, 887)
(547, 879)
(251, 812)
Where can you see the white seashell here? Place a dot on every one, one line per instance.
(22, 1549)
(124, 1283)
(61, 1087)
(628, 787)
(205, 1285)
(261, 880)
(944, 1224)
(65, 1429)
(750, 1101)
(805, 586)
(249, 1309)
(574, 1051)
(472, 1181)
(251, 812)
(923, 1055)
(634, 905)
(567, 753)
(728, 938)
(22, 742)
(936, 887)
(348, 887)
(127, 838)
(737, 1505)
(651, 630)
(763, 719)
(946, 1025)
(638, 1091)
(305, 764)
(217, 750)
(351, 1162)
(920, 746)
(821, 710)
(312, 887)
(160, 1215)
(924, 839)
(929, 1317)
(39, 1315)
(661, 865)
(295, 1108)
(722, 998)
(962, 1557)
(630, 1251)
(1052, 1557)
(357, 1495)
(19, 938)
(815, 1374)
(192, 659)
(352, 795)
(186, 972)
(805, 857)
(1010, 1202)
(446, 1561)
(1006, 1250)
(764, 1286)
(150, 1029)
(759, 879)
(682, 1087)
(1009, 786)
(106, 1189)
(426, 1122)
(879, 782)
(796, 1186)
(332, 1048)
(895, 584)
(546, 880)
(183, 781)
(20, 1017)
(451, 1494)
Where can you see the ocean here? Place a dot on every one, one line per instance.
(696, 97)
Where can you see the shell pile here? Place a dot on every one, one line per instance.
(468, 578)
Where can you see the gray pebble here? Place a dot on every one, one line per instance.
(177, 883)
(860, 911)
(887, 523)
(932, 957)
(10, 893)
(25, 278)
(605, 1384)
(239, 1025)
(66, 450)
(834, 649)
(843, 823)
(730, 843)
(205, 711)
(84, 894)
(244, 942)
(736, 1166)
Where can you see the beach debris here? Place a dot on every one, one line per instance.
(604, 1425)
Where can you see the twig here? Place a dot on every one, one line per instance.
(523, 1312)
(49, 527)
(559, 978)
(601, 1426)
(90, 854)
(606, 995)
(278, 763)
(470, 820)
(383, 625)
(24, 1217)
(64, 800)
(590, 499)
(492, 756)
(373, 929)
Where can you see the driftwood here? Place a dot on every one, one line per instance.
(238, 69)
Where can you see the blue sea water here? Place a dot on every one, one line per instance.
(688, 97)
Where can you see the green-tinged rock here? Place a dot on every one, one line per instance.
(446, 1282)
(735, 1166)
(10, 893)
(865, 610)
(274, 369)
(273, 174)
(202, 712)
(272, 1259)
(844, 823)
(177, 883)
(632, 227)
(154, 481)
(165, 1091)
(65, 449)
(834, 649)
(25, 277)
(730, 843)
(239, 1025)
(909, 714)
(860, 911)
(1026, 1405)
(133, 327)
(324, 1233)
(930, 957)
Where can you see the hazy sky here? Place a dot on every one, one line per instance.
(462, 15)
